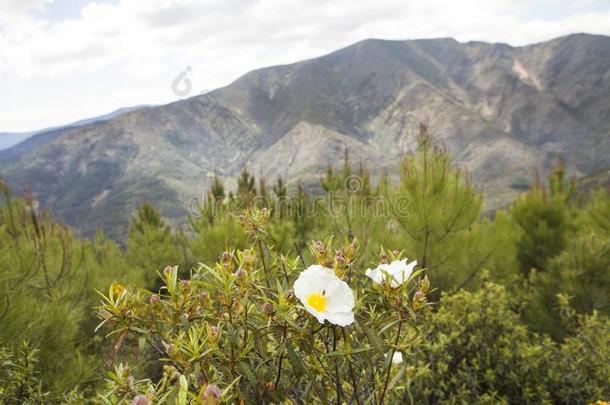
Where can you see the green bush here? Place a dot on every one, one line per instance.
(475, 349)
(245, 326)
(519, 312)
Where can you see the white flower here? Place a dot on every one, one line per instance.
(325, 295)
(396, 357)
(398, 272)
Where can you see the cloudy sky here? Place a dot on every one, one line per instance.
(64, 60)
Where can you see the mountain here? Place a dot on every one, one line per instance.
(502, 111)
(9, 139)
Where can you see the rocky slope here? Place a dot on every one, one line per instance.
(503, 112)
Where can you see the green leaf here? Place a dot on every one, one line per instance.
(183, 392)
(294, 359)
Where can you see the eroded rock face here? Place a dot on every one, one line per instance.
(503, 112)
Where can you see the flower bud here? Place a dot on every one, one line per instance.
(320, 247)
(185, 284)
(213, 333)
(170, 372)
(418, 300)
(154, 299)
(289, 295)
(383, 258)
(211, 394)
(240, 274)
(167, 270)
(140, 400)
(169, 348)
(340, 259)
(201, 378)
(267, 308)
(117, 289)
(424, 284)
(247, 259)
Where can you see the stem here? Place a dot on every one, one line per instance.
(387, 377)
(337, 379)
(351, 372)
(285, 273)
(279, 371)
(260, 247)
(299, 253)
(279, 368)
(245, 325)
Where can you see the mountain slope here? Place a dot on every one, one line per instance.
(502, 111)
(10, 139)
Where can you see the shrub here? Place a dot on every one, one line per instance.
(475, 349)
(243, 329)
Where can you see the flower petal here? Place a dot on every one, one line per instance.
(340, 297)
(313, 279)
(341, 318)
(398, 271)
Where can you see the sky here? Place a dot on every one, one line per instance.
(61, 61)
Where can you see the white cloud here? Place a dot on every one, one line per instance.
(12, 7)
(130, 51)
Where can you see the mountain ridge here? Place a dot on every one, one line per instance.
(502, 111)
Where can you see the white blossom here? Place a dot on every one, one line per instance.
(397, 272)
(325, 296)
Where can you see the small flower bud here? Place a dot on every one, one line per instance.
(170, 372)
(204, 297)
(383, 258)
(140, 400)
(418, 300)
(185, 284)
(289, 295)
(201, 378)
(340, 259)
(167, 270)
(169, 348)
(213, 333)
(320, 247)
(154, 299)
(211, 394)
(240, 274)
(267, 308)
(424, 284)
(117, 289)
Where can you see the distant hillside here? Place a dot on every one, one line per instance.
(9, 139)
(503, 112)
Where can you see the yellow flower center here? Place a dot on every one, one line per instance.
(317, 301)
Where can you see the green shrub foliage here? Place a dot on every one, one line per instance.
(208, 313)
